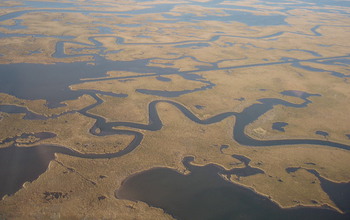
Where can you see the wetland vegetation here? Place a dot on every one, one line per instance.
(219, 109)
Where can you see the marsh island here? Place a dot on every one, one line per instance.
(189, 109)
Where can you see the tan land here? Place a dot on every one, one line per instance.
(239, 64)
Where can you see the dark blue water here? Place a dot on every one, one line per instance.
(16, 26)
(322, 133)
(199, 106)
(104, 30)
(197, 45)
(174, 93)
(51, 81)
(316, 2)
(307, 51)
(49, 4)
(279, 126)
(163, 79)
(338, 192)
(203, 194)
(13, 109)
(29, 115)
(248, 18)
(104, 128)
(200, 195)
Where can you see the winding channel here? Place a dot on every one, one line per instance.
(21, 164)
(247, 116)
(21, 158)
